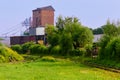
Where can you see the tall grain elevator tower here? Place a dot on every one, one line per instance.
(43, 16)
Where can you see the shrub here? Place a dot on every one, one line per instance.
(66, 43)
(43, 49)
(112, 50)
(103, 43)
(55, 50)
(2, 58)
(76, 52)
(35, 49)
(88, 48)
(12, 55)
(83, 51)
(17, 48)
(48, 58)
(38, 49)
(26, 47)
(8, 55)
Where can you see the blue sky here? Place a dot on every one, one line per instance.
(92, 13)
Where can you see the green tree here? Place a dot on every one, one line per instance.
(52, 35)
(110, 29)
(60, 23)
(98, 31)
(66, 43)
(69, 34)
(81, 35)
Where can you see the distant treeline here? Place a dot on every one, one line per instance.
(98, 30)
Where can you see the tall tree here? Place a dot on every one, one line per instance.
(81, 35)
(69, 34)
(110, 29)
(52, 35)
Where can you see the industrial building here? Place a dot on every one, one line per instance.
(40, 19)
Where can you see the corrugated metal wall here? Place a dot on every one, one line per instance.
(23, 39)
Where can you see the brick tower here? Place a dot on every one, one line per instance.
(43, 16)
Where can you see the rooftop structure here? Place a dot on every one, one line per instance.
(43, 16)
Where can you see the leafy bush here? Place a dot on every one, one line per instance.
(112, 50)
(26, 47)
(83, 51)
(43, 49)
(17, 48)
(13, 56)
(55, 50)
(88, 48)
(8, 55)
(103, 43)
(38, 49)
(35, 49)
(66, 43)
(2, 58)
(76, 52)
(48, 58)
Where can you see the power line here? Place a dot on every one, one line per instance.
(18, 27)
(11, 29)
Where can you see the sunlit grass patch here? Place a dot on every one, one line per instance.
(59, 70)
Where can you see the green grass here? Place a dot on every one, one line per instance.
(60, 70)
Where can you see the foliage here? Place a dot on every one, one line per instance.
(109, 43)
(31, 57)
(81, 35)
(26, 33)
(109, 53)
(66, 43)
(98, 31)
(103, 43)
(110, 29)
(76, 52)
(69, 34)
(88, 48)
(8, 55)
(26, 47)
(60, 23)
(106, 63)
(30, 48)
(35, 49)
(2, 58)
(83, 51)
(112, 50)
(43, 50)
(38, 49)
(52, 36)
(48, 59)
(56, 50)
(12, 56)
(17, 48)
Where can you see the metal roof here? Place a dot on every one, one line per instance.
(45, 8)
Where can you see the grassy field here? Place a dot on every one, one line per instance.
(62, 70)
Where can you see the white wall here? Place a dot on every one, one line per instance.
(97, 37)
(40, 31)
(37, 31)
